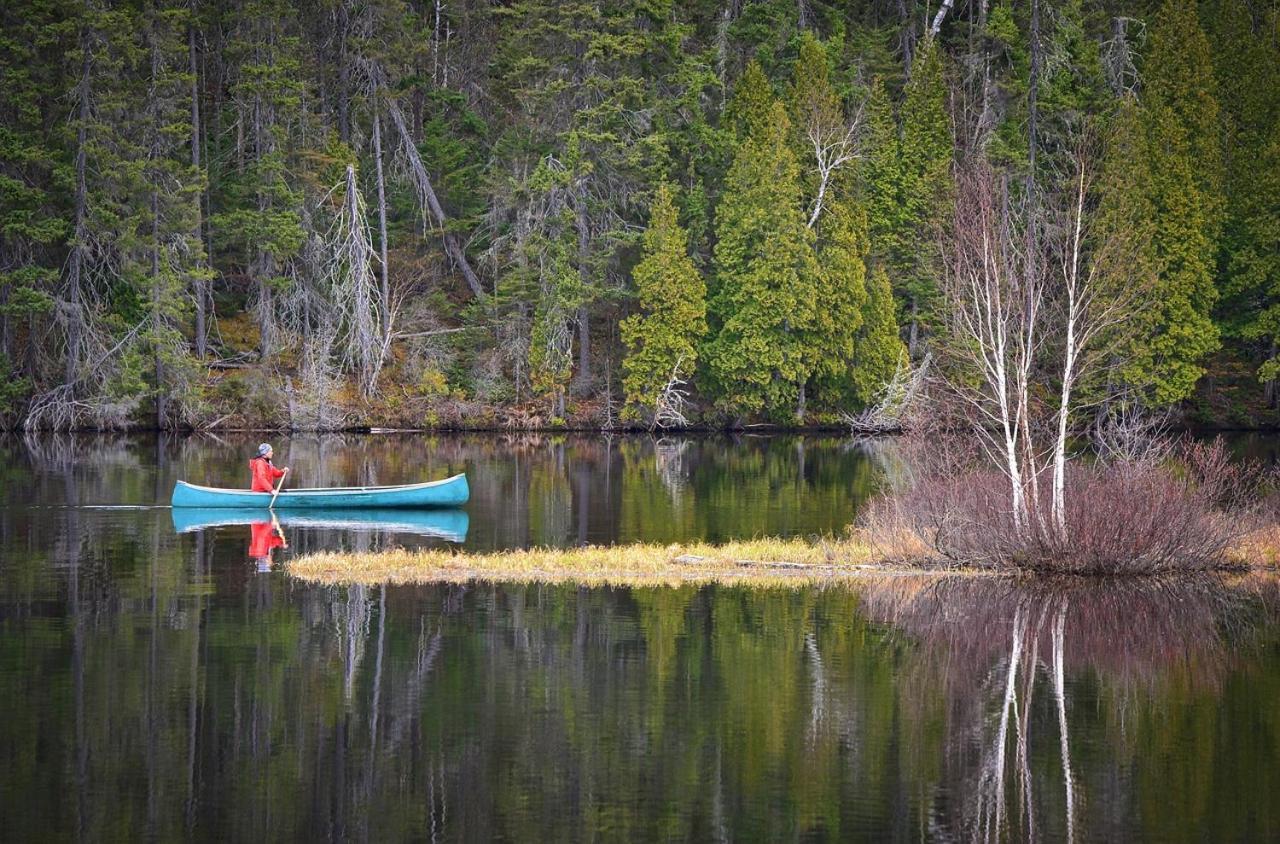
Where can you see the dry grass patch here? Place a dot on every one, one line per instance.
(761, 561)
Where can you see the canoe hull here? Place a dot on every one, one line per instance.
(450, 492)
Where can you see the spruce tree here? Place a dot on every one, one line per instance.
(878, 347)
(262, 225)
(767, 278)
(908, 194)
(1182, 195)
(662, 339)
(842, 300)
(33, 221)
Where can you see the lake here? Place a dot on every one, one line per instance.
(160, 684)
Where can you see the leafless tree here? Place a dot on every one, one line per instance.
(348, 269)
(1017, 320)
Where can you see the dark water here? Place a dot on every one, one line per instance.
(156, 686)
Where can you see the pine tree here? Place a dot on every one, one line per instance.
(262, 223)
(767, 278)
(1166, 190)
(170, 253)
(908, 186)
(842, 300)
(750, 110)
(33, 222)
(662, 339)
(576, 73)
(878, 347)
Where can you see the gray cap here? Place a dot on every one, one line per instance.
(263, 448)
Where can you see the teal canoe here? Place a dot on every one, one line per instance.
(450, 492)
(450, 525)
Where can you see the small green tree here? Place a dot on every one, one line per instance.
(832, 340)
(662, 339)
(878, 347)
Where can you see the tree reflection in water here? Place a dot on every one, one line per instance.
(991, 641)
(156, 687)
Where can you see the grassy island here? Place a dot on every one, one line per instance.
(762, 561)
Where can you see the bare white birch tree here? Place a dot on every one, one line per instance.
(1017, 320)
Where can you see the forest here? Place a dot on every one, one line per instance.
(470, 213)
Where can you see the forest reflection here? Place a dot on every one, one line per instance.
(157, 686)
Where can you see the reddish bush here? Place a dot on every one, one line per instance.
(1178, 512)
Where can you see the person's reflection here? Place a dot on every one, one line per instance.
(264, 537)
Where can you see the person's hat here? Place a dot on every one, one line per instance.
(263, 448)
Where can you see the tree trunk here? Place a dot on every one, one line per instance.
(584, 282)
(75, 271)
(800, 403)
(427, 193)
(344, 76)
(200, 289)
(157, 317)
(384, 288)
(913, 332)
(906, 38)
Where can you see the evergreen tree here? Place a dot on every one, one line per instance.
(662, 339)
(908, 197)
(33, 222)
(262, 225)
(1182, 180)
(767, 277)
(1246, 59)
(878, 347)
(882, 180)
(750, 110)
(842, 300)
(821, 137)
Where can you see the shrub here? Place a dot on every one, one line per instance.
(1180, 509)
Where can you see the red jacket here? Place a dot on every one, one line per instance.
(264, 474)
(262, 538)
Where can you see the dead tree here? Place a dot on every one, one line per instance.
(349, 273)
(428, 201)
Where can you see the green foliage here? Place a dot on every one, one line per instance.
(662, 339)
(878, 348)
(546, 153)
(908, 184)
(767, 279)
(1161, 194)
(842, 300)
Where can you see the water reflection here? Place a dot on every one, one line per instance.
(1003, 650)
(156, 687)
(449, 525)
(525, 490)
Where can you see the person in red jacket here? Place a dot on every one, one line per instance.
(265, 474)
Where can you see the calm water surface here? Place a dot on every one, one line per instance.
(157, 685)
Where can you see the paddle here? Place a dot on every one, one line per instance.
(277, 489)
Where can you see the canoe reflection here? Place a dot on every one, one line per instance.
(450, 525)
